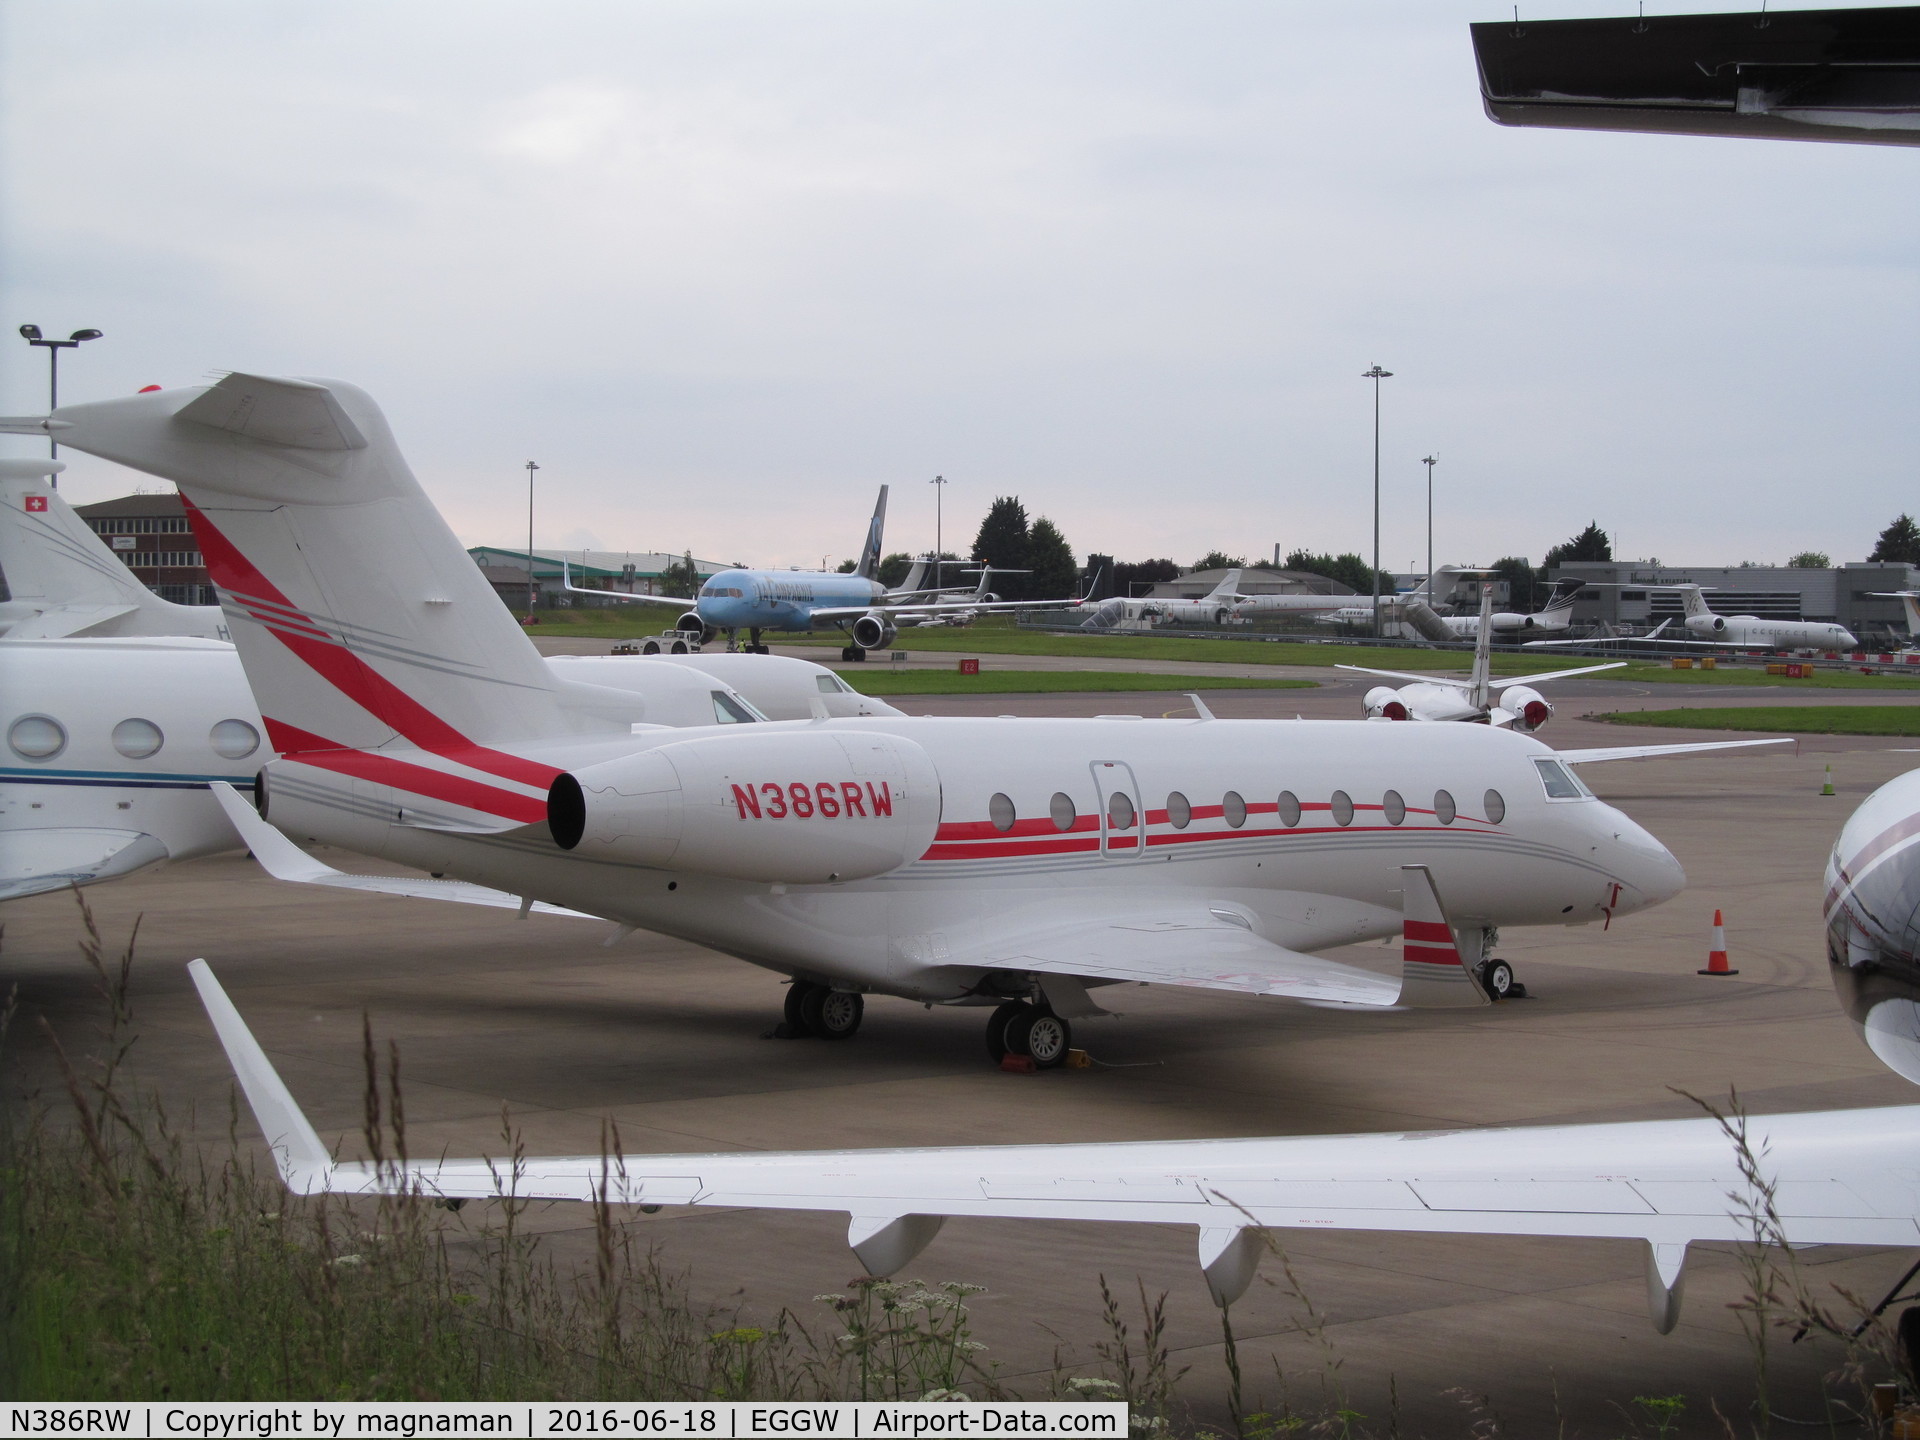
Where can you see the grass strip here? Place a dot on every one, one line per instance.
(878, 680)
(1795, 719)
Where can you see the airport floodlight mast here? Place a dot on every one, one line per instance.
(1376, 375)
(1430, 461)
(31, 334)
(532, 591)
(939, 483)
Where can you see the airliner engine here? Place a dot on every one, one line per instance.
(1528, 707)
(874, 631)
(1383, 702)
(794, 807)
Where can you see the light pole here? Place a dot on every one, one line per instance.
(1376, 375)
(939, 483)
(532, 584)
(31, 334)
(1430, 461)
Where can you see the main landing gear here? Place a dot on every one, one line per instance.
(1022, 1028)
(752, 647)
(821, 1012)
(854, 654)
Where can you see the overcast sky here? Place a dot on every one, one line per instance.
(723, 268)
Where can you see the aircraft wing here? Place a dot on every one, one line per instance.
(1552, 675)
(1651, 640)
(1665, 1183)
(1179, 947)
(1648, 752)
(57, 622)
(33, 862)
(891, 606)
(1403, 675)
(566, 583)
(284, 860)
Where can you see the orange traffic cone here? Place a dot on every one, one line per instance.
(1717, 954)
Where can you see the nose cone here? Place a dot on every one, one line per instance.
(1646, 869)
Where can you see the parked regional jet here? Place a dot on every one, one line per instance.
(1731, 632)
(62, 578)
(1556, 614)
(1829, 1177)
(1213, 608)
(1910, 602)
(1016, 864)
(857, 603)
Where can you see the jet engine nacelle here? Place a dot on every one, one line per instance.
(1707, 624)
(804, 808)
(874, 631)
(1528, 707)
(691, 624)
(1383, 702)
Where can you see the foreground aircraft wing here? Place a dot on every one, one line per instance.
(284, 860)
(1648, 752)
(1650, 640)
(1835, 1177)
(33, 862)
(1457, 683)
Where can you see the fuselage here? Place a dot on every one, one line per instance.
(780, 599)
(1297, 829)
(1772, 634)
(1872, 913)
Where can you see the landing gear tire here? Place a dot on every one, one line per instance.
(798, 994)
(997, 1024)
(1040, 1035)
(853, 654)
(1497, 976)
(832, 1014)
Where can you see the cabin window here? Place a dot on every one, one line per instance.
(1342, 808)
(1443, 807)
(1000, 811)
(1062, 811)
(729, 711)
(1394, 807)
(137, 739)
(1179, 811)
(1496, 806)
(233, 739)
(1560, 781)
(1289, 808)
(1233, 809)
(1119, 811)
(37, 737)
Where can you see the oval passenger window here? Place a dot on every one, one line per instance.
(1234, 809)
(1342, 808)
(137, 739)
(1119, 811)
(1443, 807)
(37, 737)
(1179, 811)
(233, 739)
(1395, 807)
(1000, 811)
(1062, 811)
(1289, 809)
(1496, 807)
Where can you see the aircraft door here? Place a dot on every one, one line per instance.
(1123, 815)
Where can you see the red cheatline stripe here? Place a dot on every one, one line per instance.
(1431, 954)
(414, 779)
(351, 675)
(986, 852)
(1432, 931)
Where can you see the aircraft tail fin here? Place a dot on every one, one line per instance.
(869, 566)
(1693, 601)
(1229, 585)
(360, 619)
(57, 566)
(1910, 602)
(1433, 974)
(1479, 686)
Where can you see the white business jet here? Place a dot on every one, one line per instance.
(1730, 632)
(62, 578)
(1834, 1177)
(1556, 614)
(1909, 602)
(1008, 863)
(1214, 608)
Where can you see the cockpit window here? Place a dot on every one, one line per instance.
(731, 710)
(1560, 781)
(832, 685)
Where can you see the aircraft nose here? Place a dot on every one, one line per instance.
(1646, 868)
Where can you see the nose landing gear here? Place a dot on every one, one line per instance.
(1033, 1031)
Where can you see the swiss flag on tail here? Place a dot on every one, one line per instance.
(36, 504)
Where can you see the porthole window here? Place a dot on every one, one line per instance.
(1395, 807)
(234, 739)
(37, 737)
(1000, 811)
(1443, 807)
(1119, 811)
(1179, 811)
(137, 739)
(1496, 807)
(1233, 809)
(1342, 808)
(1062, 811)
(1289, 808)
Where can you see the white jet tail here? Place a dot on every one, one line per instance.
(360, 620)
(869, 566)
(1229, 585)
(63, 579)
(1910, 602)
(1693, 601)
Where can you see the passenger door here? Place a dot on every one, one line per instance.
(1123, 814)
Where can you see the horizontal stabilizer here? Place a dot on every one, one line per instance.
(276, 411)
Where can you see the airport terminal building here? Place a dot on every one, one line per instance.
(1843, 594)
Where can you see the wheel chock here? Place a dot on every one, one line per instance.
(1018, 1065)
(1078, 1060)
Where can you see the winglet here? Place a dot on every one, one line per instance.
(304, 1162)
(1433, 976)
(278, 855)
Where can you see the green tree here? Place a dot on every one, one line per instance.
(1051, 560)
(1590, 544)
(1899, 542)
(1002, 543)
(679, 578)
(1526, 587)
(1134, 577)
(1349, 569)
(846, 567)
(1219, 560)
(1811, 560)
